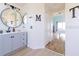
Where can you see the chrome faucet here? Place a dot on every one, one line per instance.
(8, 30)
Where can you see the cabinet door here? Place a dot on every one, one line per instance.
(19, 40)
(23, 38)
(20, 37)
(16, 41)
(1, 45)
(7, 44)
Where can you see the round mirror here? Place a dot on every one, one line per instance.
(11, 17)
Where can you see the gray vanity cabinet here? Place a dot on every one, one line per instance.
(12, 41)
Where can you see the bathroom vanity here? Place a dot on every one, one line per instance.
(12, 41)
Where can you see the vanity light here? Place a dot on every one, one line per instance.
(13, 7)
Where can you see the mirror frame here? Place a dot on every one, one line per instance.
(8, 25)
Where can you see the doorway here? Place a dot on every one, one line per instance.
(58, 42)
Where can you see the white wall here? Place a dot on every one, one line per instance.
(37, 35)
(72, 32)
(48, 28)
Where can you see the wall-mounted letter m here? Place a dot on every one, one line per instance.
(38, 17)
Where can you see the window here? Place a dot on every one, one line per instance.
(61, 29)
(61, 26)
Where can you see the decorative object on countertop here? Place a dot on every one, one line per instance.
(13, 29)
(8, 30)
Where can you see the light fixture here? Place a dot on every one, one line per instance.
(13, 7)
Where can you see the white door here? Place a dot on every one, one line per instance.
(35, 31)
(72, 31)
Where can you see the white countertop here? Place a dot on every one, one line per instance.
(12, 32)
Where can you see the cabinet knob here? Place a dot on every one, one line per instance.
(12, 37)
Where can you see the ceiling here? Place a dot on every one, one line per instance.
(49, 7)
(54, 7)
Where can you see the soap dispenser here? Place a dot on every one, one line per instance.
(13, 29)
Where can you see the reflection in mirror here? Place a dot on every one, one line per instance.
(25, 20)
(11, 17)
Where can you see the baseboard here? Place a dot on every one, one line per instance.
(47, 42)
